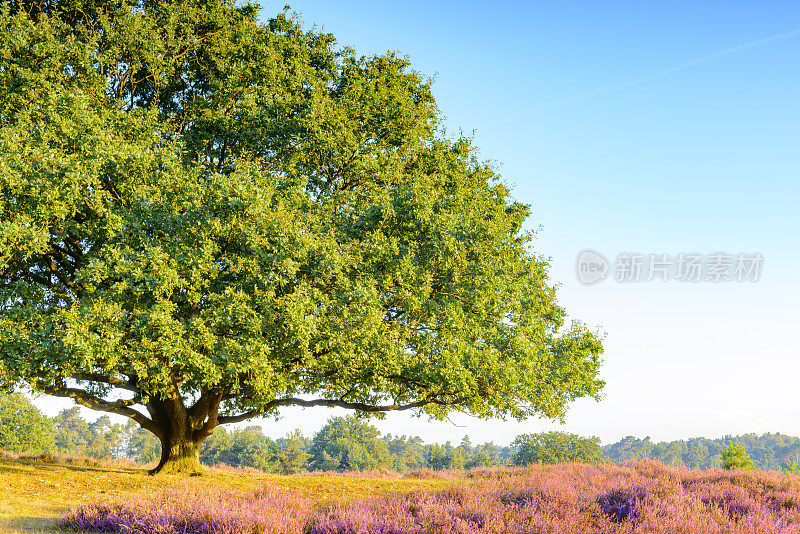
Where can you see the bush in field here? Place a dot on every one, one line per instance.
(140, 445)
(408, 452)
(486, 455)
(792, 467)
(74, 435)
(735, 457)
(71, 432)
(23, 428)
(444, 456)
(555, 448)
(623, 504)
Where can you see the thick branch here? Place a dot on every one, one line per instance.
(207, 403)
(64, 280)
(66, 252)
(211, 416)
(58, 257)
(104, 379)
(330, 403)
(119, 407)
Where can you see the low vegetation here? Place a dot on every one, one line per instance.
(634, 497)
(36, 491)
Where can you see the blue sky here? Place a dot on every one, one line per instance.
(629, 127)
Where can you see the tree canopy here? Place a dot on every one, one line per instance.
(204, 218)
(348, 444)
(556, 447)
(23, 428)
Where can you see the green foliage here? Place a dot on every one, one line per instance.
(436, 456)
(106, 438)
(444, 456)
(792, 468)
(75, 436)
(213, 218)
(348, 444)
(240, 447)
(71, 432)
(216, 449)
(454, 458)
(768, 451)
(486, 455)
(68, 433)
(556, 447)
(23, 428)
(292, 457)
(140, 445)
(629, 448)
(734, 456)
(407, 452)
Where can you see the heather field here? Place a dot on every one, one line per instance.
(35, 494)
(635, 497)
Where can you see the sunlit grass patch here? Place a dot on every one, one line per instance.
(34, 494)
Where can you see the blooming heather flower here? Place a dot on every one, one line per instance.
(634, 497)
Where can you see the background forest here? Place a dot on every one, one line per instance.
(352, 444)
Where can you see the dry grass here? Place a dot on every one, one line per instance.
(34, 494)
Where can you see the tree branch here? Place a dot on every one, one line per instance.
(110, 380)
(120, 407)
(75, 256)
(211, 415)
(330, 403)
(64, 280)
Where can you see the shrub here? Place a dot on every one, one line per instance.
(23, 428)
(623, 504)
(735, 457)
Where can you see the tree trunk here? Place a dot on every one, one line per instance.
(179, 455)
(182, 431)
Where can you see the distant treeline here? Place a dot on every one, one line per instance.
(768, 451)
(343, 444)
(350, 443)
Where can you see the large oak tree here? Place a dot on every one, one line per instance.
(205, 218)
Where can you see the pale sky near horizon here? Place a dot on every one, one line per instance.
(630, 128)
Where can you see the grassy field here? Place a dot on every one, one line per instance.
(34, 494)
(635, 497)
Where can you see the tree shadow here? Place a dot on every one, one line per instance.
(91, 468)
(29, 524)
(15, 466)
(8, 469)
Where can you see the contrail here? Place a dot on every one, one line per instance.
(659, 74)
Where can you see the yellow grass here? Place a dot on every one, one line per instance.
(34, 494)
